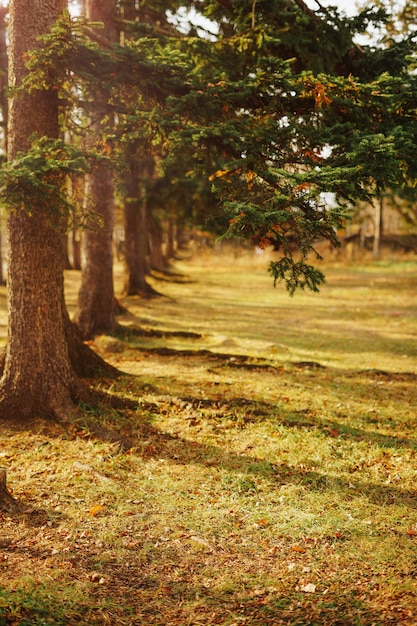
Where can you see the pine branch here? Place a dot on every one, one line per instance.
(99, 39)
(166, 30)
(305, 9)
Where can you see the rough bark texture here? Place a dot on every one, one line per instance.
(3, 106)
(96, 304)
(37, 378)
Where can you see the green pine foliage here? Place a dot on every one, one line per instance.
(277, 111)
(38, 178)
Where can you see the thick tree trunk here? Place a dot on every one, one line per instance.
(38, 378)
(96, 302)
(3, 108)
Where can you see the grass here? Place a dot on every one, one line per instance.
(272, 479)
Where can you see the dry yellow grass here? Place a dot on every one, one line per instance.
(272, 478)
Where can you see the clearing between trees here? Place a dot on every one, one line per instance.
(272, 474)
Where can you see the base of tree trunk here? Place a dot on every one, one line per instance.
(8, 504)
(145, 290)
(85, 362)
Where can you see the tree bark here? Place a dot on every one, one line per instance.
(171, 245)
(3, 107)
(96, 302)
(136, 227)
(38, 378)
(158, 261)
(378, 223)
(76, 250)
(7, 503)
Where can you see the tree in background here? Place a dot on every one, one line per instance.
(140, 158)
(96, 303)
(272, 139)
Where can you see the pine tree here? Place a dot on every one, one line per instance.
(96, 303)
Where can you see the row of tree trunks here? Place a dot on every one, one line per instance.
(45, 355)
(96, 302)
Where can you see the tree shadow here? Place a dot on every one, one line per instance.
(154, 597)
(184, 451)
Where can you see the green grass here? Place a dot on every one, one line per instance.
(272, 479)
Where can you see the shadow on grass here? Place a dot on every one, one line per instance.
(186, 451)
(144, 602)
(161, 598)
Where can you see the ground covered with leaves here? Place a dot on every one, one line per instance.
(272, 474)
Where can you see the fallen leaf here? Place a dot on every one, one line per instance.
(298, 548)
(96, 509)
(309, 588)
(261, 523)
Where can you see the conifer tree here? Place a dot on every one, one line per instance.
(96, 304)
(38, 378)
(273, 128)
(44, 356)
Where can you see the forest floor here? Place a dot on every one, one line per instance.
(272, 478)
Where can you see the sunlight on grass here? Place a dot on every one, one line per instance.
(272, 474)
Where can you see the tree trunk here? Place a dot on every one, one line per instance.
(96, 303)
(136, 228)
(170, 247)
(76, 249)
(65, 251)
(3, 108)
(38, 379)
(158, 261)
(378, 206)
(7, 503)
(96, 313)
